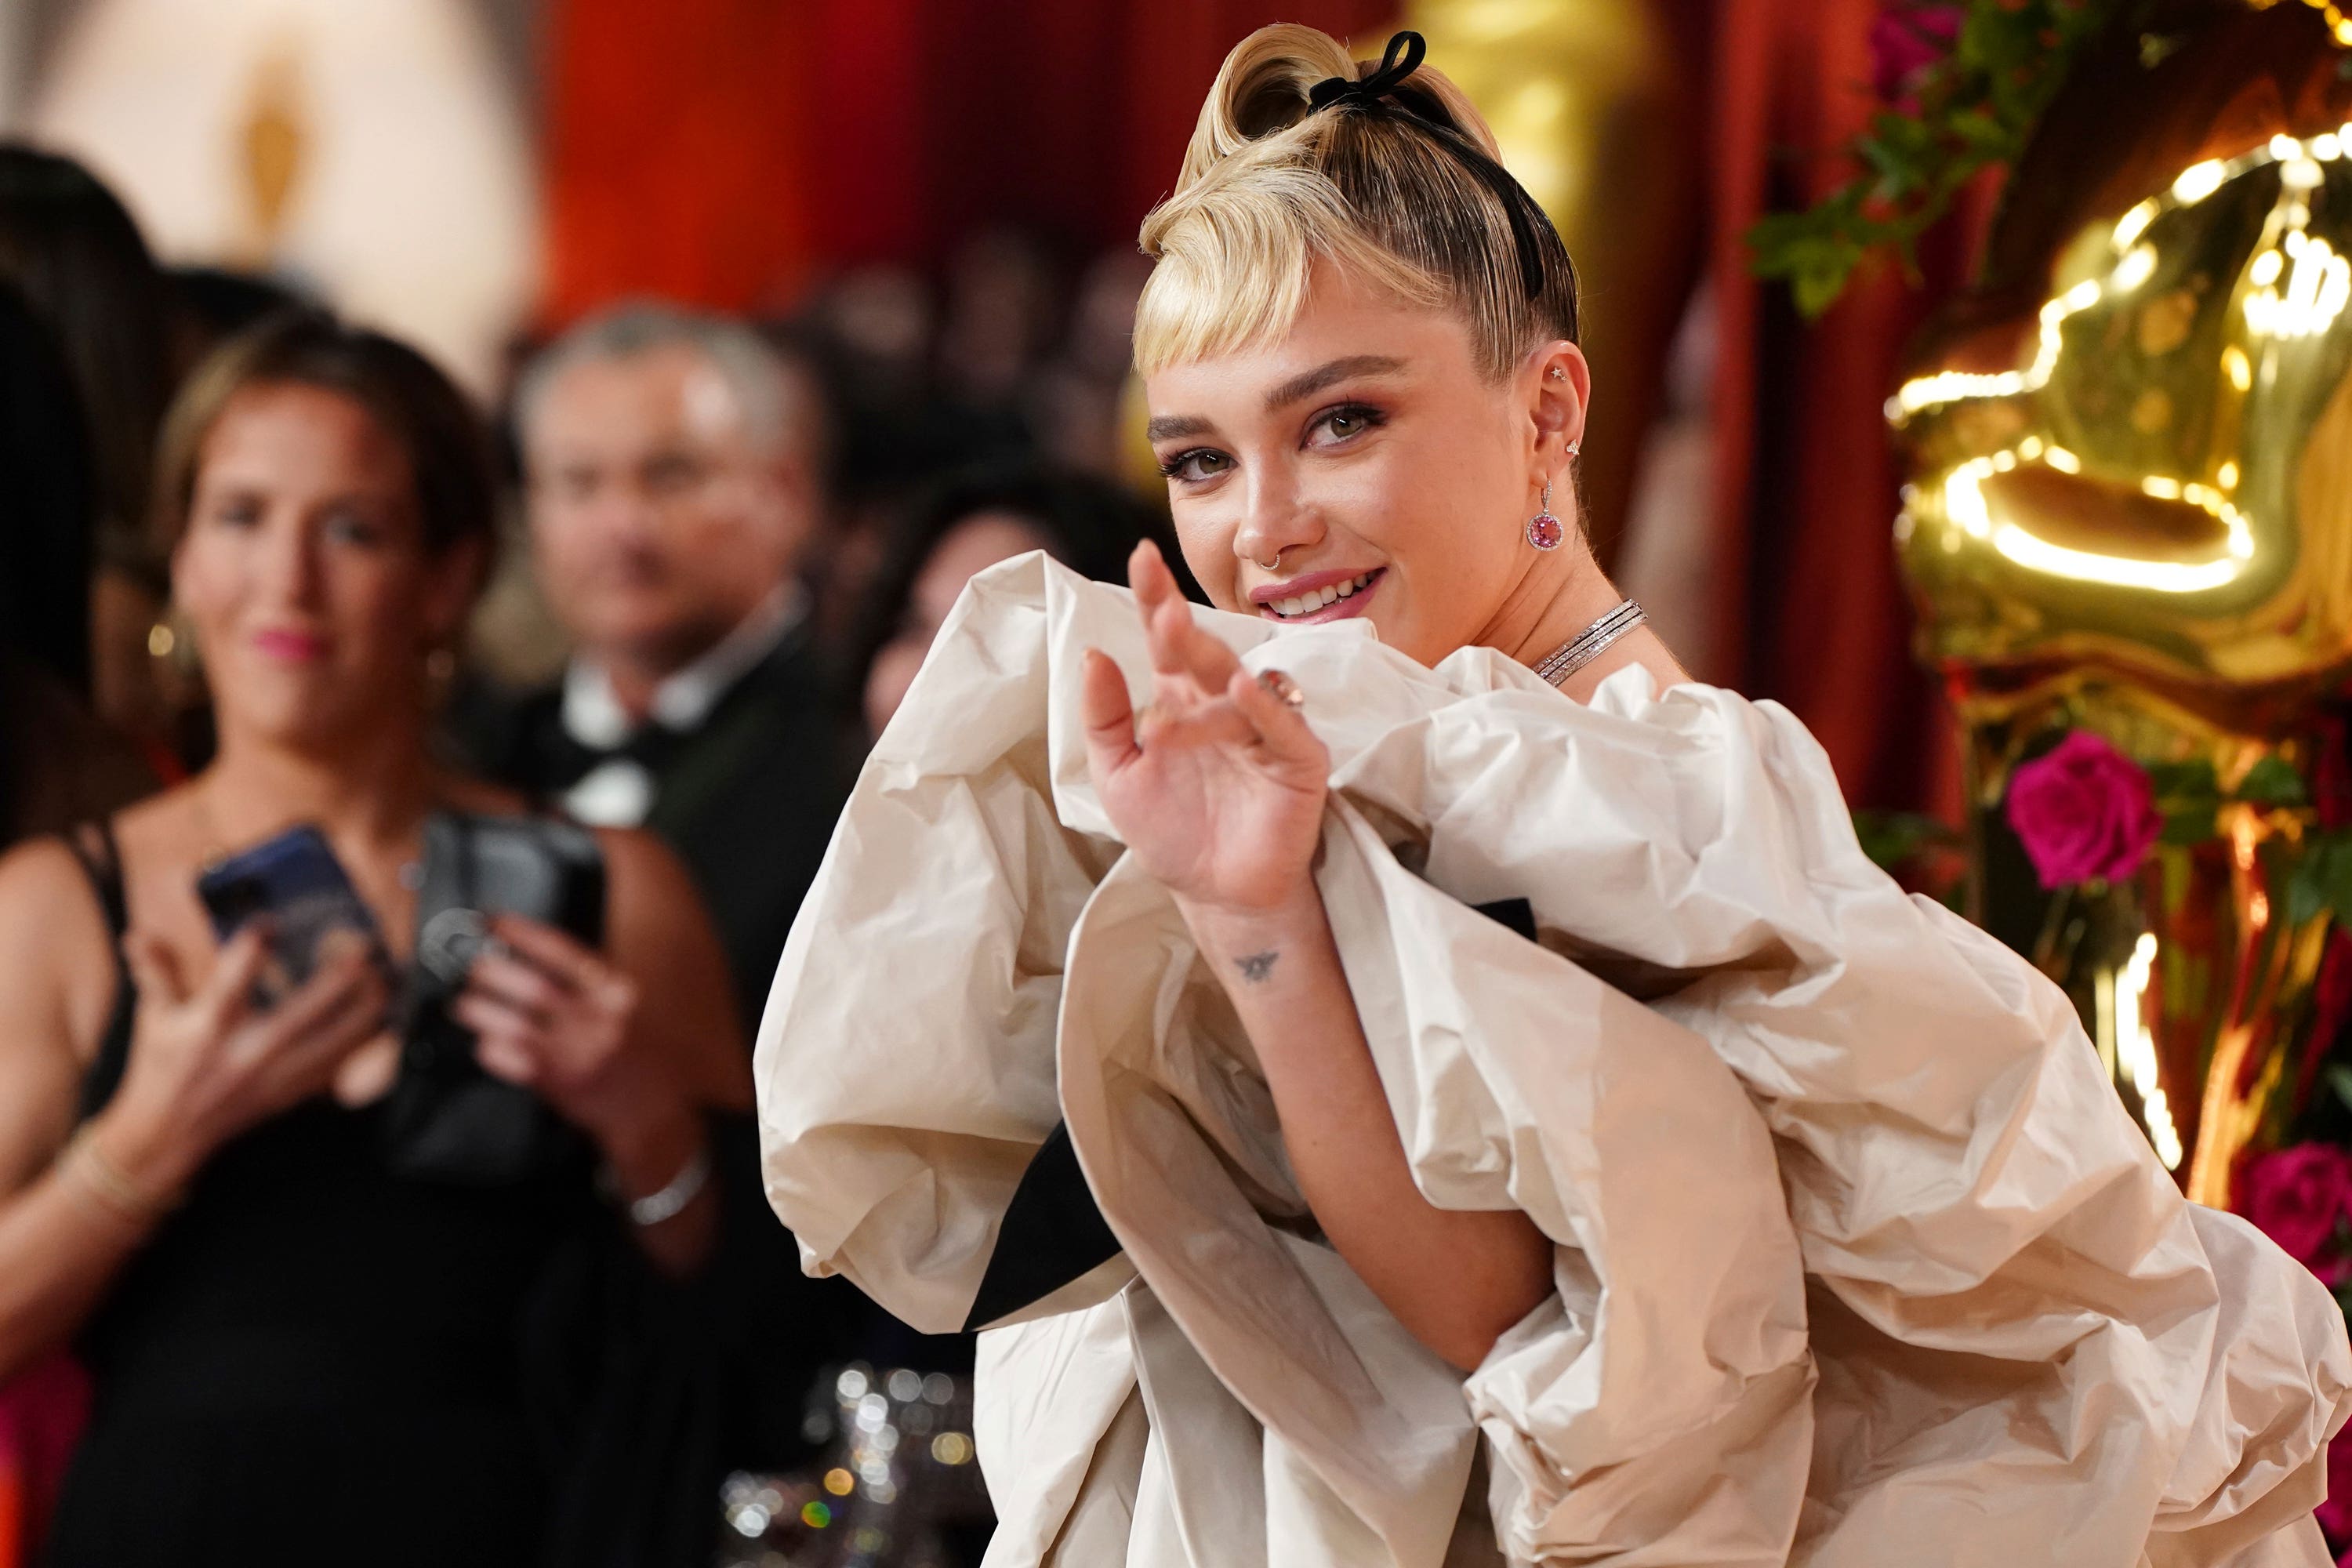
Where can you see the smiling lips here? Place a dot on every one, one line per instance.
(1325, 596)
(292, 646)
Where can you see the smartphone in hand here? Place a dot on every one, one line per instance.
(295, 880)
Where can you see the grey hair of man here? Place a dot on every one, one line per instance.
(778, 405)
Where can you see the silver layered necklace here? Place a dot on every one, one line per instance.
(1591, 642)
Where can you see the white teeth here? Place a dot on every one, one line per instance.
(1308, 603)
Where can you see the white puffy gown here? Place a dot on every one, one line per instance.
(1859, 1259)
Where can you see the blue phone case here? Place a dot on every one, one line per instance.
(296, 881)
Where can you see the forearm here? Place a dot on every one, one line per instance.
(1456, 1278)
(647, 1159)
(61, 1247)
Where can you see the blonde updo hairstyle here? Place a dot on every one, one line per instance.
(1388, 196)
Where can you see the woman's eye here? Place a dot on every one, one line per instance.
(237, 514)
(1197, 465)
(1349, 421)
(350, 528)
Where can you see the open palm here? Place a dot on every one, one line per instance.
(1217, 785)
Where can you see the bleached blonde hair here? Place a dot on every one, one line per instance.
(1269, 188)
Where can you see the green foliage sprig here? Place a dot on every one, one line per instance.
(1967, 112)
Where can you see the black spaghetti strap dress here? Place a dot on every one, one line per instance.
(315, 1361)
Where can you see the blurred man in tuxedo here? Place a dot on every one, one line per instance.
(669, 464)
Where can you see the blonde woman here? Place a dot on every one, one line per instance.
(1335, 1064)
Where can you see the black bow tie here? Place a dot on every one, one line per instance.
(652, 745)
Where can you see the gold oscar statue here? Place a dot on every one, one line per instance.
(2130, 513)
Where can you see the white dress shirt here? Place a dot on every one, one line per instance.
(620, 793)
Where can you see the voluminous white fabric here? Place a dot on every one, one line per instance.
(1859, 1260)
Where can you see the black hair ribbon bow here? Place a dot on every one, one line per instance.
(1405, 52)
(1377, 92)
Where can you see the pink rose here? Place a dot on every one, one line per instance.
(2084, 810)
(1908, 39)
(2296, 1197)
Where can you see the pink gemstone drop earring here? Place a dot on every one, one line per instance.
(1543, 529)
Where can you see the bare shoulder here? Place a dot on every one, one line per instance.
(46, 904)
(659, 932)
(56, 988)
(643, 870)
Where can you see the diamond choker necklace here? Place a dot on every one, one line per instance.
(1591, 642)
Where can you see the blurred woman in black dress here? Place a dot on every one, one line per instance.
(296, 1352)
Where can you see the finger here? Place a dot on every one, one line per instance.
(505, 1056)
(1201, 653)
(1215, 723)
(489, 1015)
(1164, 620)
(299, 1063)
(1108, 714)
(529, 989)
(154, 968)
(1282, 729)
(1148, 574)
(226, 993)
(562, 955)
(347, 986)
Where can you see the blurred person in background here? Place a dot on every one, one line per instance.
(299, 1353)
(671, 492)
(968, 524)
(670, 463)
(73, 251)
(59, 763)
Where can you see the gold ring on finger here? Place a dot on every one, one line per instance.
(1282, 688)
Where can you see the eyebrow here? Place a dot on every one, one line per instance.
(1309, 382)
(1170, 427)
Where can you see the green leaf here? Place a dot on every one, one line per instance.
(1892, 839)
(2191, 779)
(2272, 782)
(2339, 1078)
(2190, 824)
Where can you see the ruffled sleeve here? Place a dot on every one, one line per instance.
(2032, 1349)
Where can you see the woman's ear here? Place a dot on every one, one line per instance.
(453, 579)
(1564, 384)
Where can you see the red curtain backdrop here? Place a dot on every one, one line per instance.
(1807, 485)
(722, 152)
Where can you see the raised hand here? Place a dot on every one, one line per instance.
(205, 1065)
(1216, 786)
(553, 1015)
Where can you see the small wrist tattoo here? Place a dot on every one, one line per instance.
(1257, 966)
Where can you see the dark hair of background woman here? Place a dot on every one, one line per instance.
(57, 764)
(1089, 524)
(73, 251)
(420, 408)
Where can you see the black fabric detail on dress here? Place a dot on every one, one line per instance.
(1054, 1232)
(1517, 913)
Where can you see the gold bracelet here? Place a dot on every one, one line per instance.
(108, 1183)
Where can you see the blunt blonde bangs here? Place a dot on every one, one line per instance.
(1236, 258)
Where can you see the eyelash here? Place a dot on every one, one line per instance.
(1372, 420)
